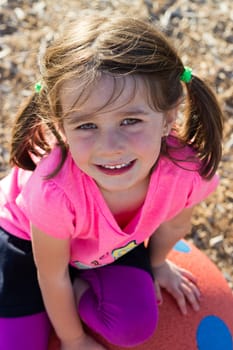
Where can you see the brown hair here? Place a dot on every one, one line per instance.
(117, 46)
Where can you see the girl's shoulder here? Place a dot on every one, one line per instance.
(68, 173)
(180, 155)
(47, 201)
(178, 173)
(42, 186)
(49, 162)
(181, 163)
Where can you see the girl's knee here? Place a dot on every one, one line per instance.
(125, 313)
(132, 329)
(122, 326)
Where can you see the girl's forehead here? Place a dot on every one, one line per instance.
(106, 93)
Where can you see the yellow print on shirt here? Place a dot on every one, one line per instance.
(118, 252)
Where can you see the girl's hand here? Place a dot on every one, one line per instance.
(84, 342)
(180, 283)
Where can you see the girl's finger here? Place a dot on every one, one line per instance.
(158, 293)
(192, 286)
(181, 301)
(191, 295)
(187, 274)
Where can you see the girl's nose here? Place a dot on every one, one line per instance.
(112, 141)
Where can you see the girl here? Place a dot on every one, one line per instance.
(118, 172)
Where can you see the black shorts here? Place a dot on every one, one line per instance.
(19, 289)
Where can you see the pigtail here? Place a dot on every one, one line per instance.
(64, 150)
(203, 126)
(34, 136)
(28, 137)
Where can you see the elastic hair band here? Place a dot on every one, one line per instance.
(186, 76)
(38, 87)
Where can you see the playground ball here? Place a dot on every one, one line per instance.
(211, 328)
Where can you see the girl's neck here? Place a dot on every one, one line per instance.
(124, 205)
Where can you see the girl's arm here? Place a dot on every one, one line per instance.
(168, 233)
(180, 283)
(52, 258)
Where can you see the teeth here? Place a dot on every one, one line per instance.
(112, 167)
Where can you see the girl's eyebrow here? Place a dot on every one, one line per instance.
(134, 112)
(80, 118)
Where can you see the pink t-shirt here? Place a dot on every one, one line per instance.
(70, 205)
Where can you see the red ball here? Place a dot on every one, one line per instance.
(211, 328)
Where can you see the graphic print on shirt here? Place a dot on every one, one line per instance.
(119, 252)
(116, 254)
(81, 266)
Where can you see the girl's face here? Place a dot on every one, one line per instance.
(114, 135)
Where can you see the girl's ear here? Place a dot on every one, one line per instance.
(169, 119)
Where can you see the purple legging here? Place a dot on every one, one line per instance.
(25, 333)
(120, 305)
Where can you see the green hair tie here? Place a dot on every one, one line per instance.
(38, 87)
(186, 76)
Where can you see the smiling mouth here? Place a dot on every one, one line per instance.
(116, 168)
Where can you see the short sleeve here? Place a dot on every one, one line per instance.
(201, 189)
(47, 207)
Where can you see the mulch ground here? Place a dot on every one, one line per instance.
(202, 30)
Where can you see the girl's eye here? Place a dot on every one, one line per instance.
(130, 121)
(87, 126)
